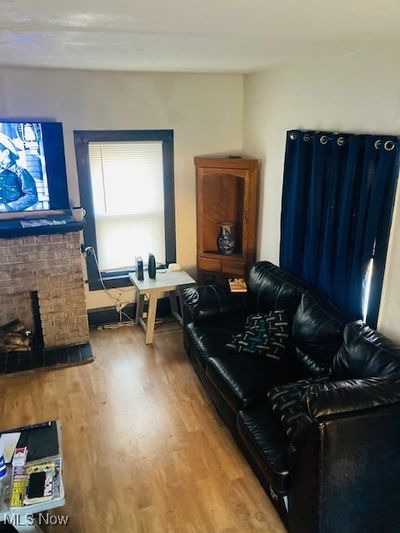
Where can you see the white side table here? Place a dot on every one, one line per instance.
(153, 289)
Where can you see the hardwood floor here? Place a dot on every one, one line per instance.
(144, 450)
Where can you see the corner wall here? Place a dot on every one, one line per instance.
(205, 112)
(353, 93)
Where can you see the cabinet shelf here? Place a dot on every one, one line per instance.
(219, 255)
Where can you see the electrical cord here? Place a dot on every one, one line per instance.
(163, 266)
(119, 304)
(120, 324)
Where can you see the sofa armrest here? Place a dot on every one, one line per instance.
(349, 456)
(206, 302)
(340, 397)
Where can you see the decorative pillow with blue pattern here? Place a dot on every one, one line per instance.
(288, 405)
(264, 334)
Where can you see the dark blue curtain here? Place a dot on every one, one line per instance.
(337, 204)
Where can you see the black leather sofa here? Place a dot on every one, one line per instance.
(346, 472)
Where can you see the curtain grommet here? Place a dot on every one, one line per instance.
(323, 139)
(378, 144)
(292, 136)
(341, 141)
(307, 137)
(389, 146)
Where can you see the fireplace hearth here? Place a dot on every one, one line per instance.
(41, 359)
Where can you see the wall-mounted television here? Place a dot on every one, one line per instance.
(33, 177)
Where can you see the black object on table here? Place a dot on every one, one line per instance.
(40, 439)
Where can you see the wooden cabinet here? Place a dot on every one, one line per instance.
(226, 190)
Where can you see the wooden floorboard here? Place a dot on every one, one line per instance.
(144, 450)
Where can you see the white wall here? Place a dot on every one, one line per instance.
(354, 93)
(205, 112)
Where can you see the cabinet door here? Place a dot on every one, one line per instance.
(234, 268)
(212, 265)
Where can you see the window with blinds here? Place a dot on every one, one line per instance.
(128, 201)
(126, 185)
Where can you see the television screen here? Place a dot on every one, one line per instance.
(32, 167)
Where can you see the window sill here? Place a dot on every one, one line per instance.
(115, 281)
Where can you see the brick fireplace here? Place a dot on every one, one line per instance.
(48, 270)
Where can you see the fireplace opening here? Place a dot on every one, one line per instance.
(22, 344)
(14, 337)
(21, 327)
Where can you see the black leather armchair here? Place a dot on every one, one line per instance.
(345, 473)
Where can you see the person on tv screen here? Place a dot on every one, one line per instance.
(17, 186)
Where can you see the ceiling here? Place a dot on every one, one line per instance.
(190, 35)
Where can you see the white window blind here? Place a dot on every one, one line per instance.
(128, 201)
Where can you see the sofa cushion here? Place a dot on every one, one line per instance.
(317, 331)
(288, 403)
(210, 338)
(271, 288)
(265, 334)
(275, 322)
(253, 342)
(242, 379)
(266, 443)
(365, 353)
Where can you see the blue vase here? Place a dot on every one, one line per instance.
(225, 241)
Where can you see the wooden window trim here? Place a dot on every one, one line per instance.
(82, 140)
